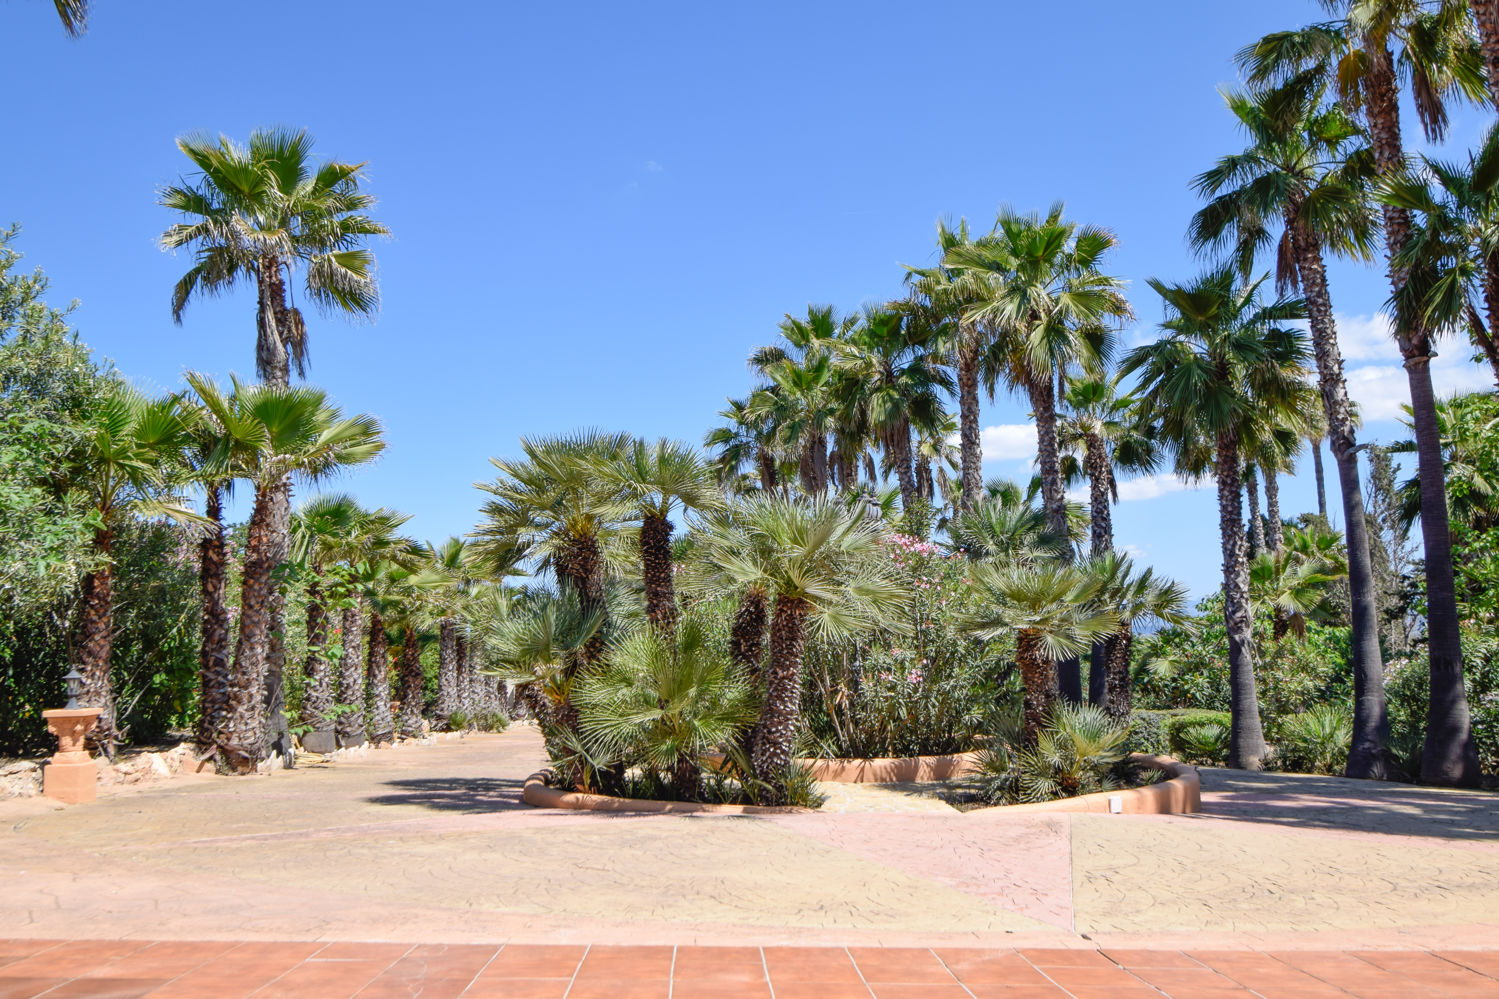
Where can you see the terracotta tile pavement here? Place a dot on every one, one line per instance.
(136, 969)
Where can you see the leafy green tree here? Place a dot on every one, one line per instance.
(1224, 368)
(747, 439)
(1368, 50)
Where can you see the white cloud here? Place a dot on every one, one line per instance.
(1150, 486)
(651, 166)
(1008, 442)
(1380, 389)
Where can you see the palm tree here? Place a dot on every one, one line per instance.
(1133, 598)
(1053, 612)
(1294, 579)
(373, 540)
(132, 448)
(285, 432)
(1102, 424)
(1305, 173)
(1466, 424)
(1212, 382)
(826, 570)
(552, 509)
(658, 478)
(450, 569)
(1005, 526)
(1040, 285)
(894, 380)
(1452, 257)
(665, 700)
(256, 213)
(1368, 52)
(74, 16)
(954, 293)
(747, 440)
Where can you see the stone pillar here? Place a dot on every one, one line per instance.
(71, 776)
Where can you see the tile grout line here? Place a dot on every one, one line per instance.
(671, 974)
(484, 968)
(961, 984)
(857, 970)
(765, 967)
(288, 971)
(587, 949)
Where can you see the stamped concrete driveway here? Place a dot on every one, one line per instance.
(431, 845)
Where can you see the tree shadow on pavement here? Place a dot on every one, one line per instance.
(455, 794)
(1338, 803)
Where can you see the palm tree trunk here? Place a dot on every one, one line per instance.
(96, 636)
(924, 484)
(581, 563)
(747, 650)
(1096, 460)
(782, 704)
(447, 669)
(1038, 674)
(820, 464)
(1321, 480)
(1486, 15)
(278, 731)
(1246, 737)
(1054, 498)
(467, 682)
(767, 463)
(1481, 333)
(272, 360)
(1118, 702)
(317, 701)
(213, 649)
(1367, 757)
(898, 452)
(351, 681)
(1450, 756)
(243, 742)
(656, 568)
(382, 728)
(1276, 537)
(412, 688)
(1256, 526)
(971, 454)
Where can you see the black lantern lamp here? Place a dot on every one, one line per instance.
(74, 684)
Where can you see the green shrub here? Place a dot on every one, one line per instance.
(478, 721)
(1191, 748)
(1080, 750)
(1147, 732)
(1315, 741)
(1407, 686)
(1202, 742)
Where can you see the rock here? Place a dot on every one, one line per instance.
(19, 767)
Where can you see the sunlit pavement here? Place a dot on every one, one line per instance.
(403, 874)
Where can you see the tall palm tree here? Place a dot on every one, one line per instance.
(1304, 176)
(287, 432)
(1368, 52)
(895, 381)
(257, 213)
(373, 540)
(1223, 365)
(1052, 610)
(1041, 287)
(451, 581)
(825, 569)
(132, 449)
(1452, 258)
(1486, 18)
(658, 479)
(1102, 424)
(953, 292)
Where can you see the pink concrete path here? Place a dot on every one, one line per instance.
(92, 969)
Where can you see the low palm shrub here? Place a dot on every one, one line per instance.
(478, 721)
(1078, 750)
(1315, 741)
(1203, 742)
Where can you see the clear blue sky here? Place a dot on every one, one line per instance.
(599, 208)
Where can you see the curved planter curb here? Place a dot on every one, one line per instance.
(1180, 793)
(537, 793)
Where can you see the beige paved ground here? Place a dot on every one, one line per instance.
(432, 845)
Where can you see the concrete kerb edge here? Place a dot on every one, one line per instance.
(1180, 793)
